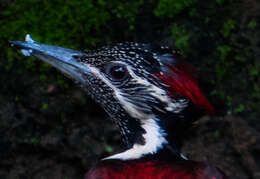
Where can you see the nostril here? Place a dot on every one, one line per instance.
(78, 58)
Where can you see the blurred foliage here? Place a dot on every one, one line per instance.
(72, 24)
(179, 33)
(221, 36)
(171, 8)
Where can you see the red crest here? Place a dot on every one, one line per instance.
(180, 82)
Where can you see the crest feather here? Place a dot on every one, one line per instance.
(182, 84)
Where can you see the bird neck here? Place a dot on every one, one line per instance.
(156, 140)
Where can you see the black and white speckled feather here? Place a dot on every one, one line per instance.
(123, 79)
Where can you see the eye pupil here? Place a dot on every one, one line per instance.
(118, 72)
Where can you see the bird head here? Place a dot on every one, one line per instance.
(146, 90)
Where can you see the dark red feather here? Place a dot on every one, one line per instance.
(181, 83)
(137, 169)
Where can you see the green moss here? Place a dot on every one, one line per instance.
(72, 24)
(126, 10)
(239, 109)
(220, 1)
(181, 37)
(171, 8)
(109, 149)
(194, 12)
(224, 50)
(216, 133)
(228, 26)
(229, 101)
(44, 106)
(43, 77)
(254, 71)
(240, 58)
(252, 24)
(34, 140)
(218, 39)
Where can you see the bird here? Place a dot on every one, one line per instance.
(149, 92)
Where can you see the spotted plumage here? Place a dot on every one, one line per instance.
(140, 94)
(148, 91)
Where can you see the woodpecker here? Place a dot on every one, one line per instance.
(150, 94)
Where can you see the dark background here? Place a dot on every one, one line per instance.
(50, 129)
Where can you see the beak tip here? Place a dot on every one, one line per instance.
(17, 44)
(11, 43)
(14, 44)
(20, 45)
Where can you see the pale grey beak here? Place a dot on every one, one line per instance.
(66, 60)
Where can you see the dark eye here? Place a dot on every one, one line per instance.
(117, 71)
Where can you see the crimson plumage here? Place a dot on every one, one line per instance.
(149, 93)
(138, 169)
(181, 82)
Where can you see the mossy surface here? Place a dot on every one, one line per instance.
(43, 110)
(221, 38)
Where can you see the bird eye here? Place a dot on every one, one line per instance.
(117, 72)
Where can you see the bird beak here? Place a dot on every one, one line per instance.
(66, 60)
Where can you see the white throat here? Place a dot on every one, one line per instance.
(154, 140)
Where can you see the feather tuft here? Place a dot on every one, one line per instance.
(181, 83)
